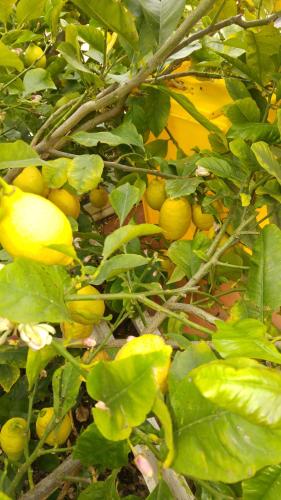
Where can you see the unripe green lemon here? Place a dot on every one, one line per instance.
(61, 432)
(87, 311)
(68, 203)
(29, 224)
(35, 53)
(201, 220)
(156, 194)
(13, 437)
(99, 197)
(146, 344)
(175, 218)
(30, 180)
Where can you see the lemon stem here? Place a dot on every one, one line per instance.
(6, 188)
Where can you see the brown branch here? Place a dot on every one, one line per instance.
(53, 481)
(159, 317)
(123, 90)
(214, 28)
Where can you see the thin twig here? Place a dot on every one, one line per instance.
(124, 89)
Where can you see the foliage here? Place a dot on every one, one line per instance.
(120, 93)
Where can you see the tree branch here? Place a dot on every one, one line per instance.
(159, 317)
(53, 481)
(214, 28)
(123, 90)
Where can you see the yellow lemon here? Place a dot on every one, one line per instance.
(13, 437)
(146, 344)
(99, 197)
(75, 331)
(156, 194)
(61, 432)
(175, 218)
(35, 53)
(201, 220)
(66, 201)
(30, 180)
(87, 311)
(29, 224)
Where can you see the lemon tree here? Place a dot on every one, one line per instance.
(140, 243)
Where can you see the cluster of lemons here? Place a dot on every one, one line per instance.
(34, 217)
(15, 433)
(176, 214)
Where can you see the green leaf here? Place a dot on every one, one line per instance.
(220, 167)
(6, 8)
(178, 187)
(170, 12)
(263, 286)
(266, 485)
(84, 172)
(55, 172)
(32, 292)
(255, 132)
(163, 415)
(124, 134)
(101, 490)
(214, 444)
(243, 110)
(236, 88)
(37, 361)
(9, 374)
(246, 338)
(123, 198)
(243, 152)
(157, 109)
(9, 58)
(12, 355)
(111, 14)
(12, 153)
(193, 356)
(70, 55)
(66, 384)
(116, 266)
(191, 109)
(29, 9)
(53, 13)
(127, 388)
(243, 387)
(187, 254)
(37, 79)
(92, 449)
(161, 492)
(267, 160)
(261, 47)
(123, 235)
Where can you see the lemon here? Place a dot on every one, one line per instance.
(61, 432)
(3, 496)
(29, 224)
(87, 311)
(13, 437)
(99, 197)
(146, 344)
(156, 194)
(201, 220)
(75, 331)
(35, 53)
(30, 180)
(66, 201)
(175, 218)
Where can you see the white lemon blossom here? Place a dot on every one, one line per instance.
(6, 327)
(36, 336)
(201, 171)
